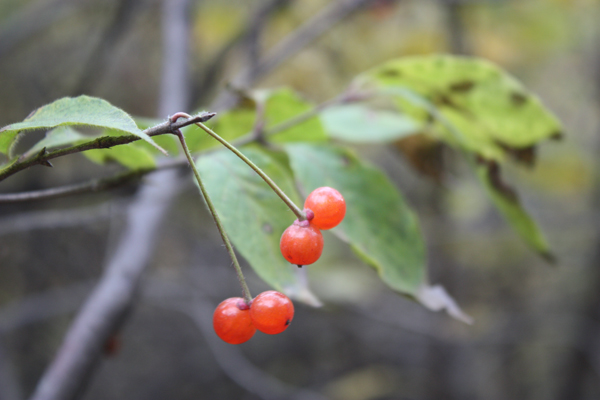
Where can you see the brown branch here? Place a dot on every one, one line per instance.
(103, 142)
(92, 186)
(258, 134)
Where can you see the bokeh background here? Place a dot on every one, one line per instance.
(537, 327)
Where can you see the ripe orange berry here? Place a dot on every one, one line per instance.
(232, 322)
(301, 243)
(328, 206)
(271, 312)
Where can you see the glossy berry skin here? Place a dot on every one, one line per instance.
(328, 205)
(271, 312)
(232, 322)
(301, 243)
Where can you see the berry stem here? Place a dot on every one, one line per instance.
(213, 212)
(295, 209)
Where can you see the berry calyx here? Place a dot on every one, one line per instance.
(328, 206)
(232, 322)
(271, 312)
(301, 243)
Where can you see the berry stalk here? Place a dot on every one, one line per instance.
(213, 212)
(295, 209)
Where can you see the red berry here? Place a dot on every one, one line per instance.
(328, 206)
(271, 312)
(232, 322)
(301, 243)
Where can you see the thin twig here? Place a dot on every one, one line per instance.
(215, 215)
(258, 133)
(92, 186)
(291, 205)
(103, 142)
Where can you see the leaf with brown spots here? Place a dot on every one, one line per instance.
(425, 154)
(485, 104)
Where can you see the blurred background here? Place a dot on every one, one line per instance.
(537, 327)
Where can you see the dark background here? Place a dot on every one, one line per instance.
(537, 327)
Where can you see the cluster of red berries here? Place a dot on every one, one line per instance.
(302, 242)
(235, 321)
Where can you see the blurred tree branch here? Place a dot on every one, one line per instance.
(53, 219)
(107, 307)
(334, 13)
(249, 35)
(100, 55)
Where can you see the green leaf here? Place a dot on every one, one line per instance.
(55, 138)
(253, 215)
(379, 225)
(82, 110)
(490, 108)
(279, 106)
(507, 202)
(358, 123)
(284, 104)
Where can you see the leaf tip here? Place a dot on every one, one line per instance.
(436, 298)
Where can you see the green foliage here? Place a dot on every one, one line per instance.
(282, 105)
(468, 103)
(379, 225)
(490, 109)
(475, 106)
(360, 124)
(275, 107)
(129, 156)
(253, 215)
(82, 110)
